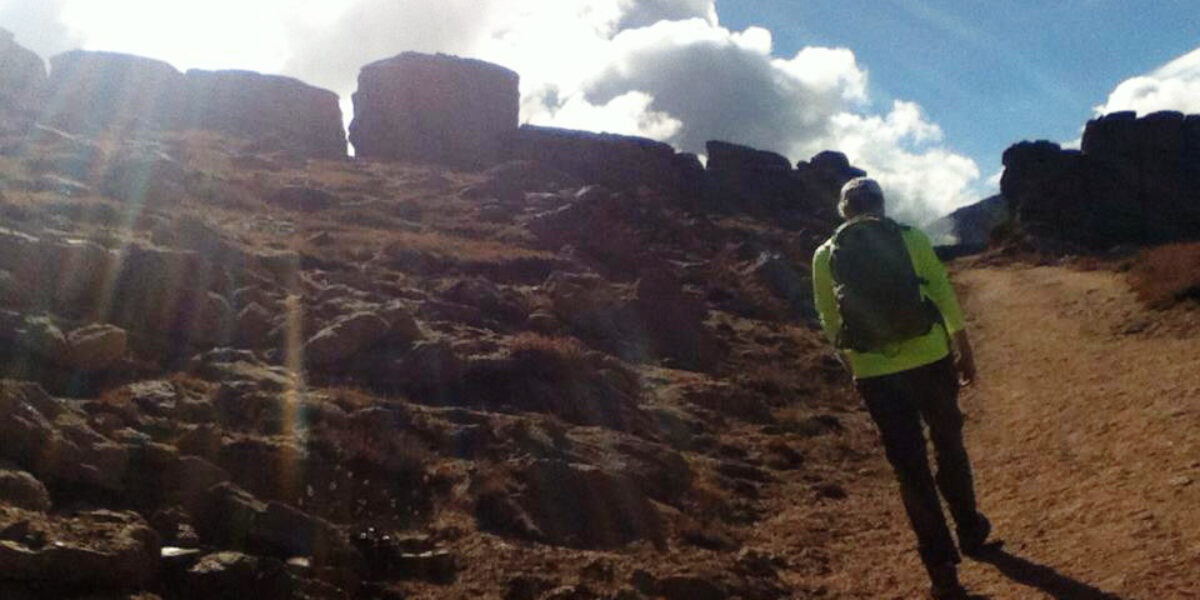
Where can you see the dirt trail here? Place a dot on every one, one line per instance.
(1084, 429)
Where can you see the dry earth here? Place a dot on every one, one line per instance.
(1084, 429)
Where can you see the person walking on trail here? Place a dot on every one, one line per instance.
(886, 304)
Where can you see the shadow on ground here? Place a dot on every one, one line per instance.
(1041, 577)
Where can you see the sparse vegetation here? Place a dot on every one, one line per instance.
(457, 248)
(1167, 274)
(553, 358)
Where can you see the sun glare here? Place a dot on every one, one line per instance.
(218, 34)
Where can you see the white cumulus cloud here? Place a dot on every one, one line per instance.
(921, 179)
(1174, 86)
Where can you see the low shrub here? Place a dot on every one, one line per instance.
(1166, 275)
(552, 358)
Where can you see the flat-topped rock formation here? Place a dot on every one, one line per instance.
(749, 179)
(434, 108)
(22, 73)
(90, 92)
(94, 92)
(617, 161)
(282, 110)
(1135, 181)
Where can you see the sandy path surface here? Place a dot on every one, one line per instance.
(1084, 429)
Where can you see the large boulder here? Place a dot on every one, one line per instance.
(763, 182)
(673, 321)
(822, 178)
(232, 517)
(20, 489)
(94, 347)
(280, 111)
(438, 109)
(616, 161)
(164, 296)
(108, 91)
(22, 74)
(726, 157)
(96, 551)
(226, 574)
(46, 437)
(344, 338)
(659, 320)
(570, 504)
(64, 275)
(785, 281)
(558, 377)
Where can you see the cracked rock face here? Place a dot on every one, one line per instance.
(1134, 182)
(107, 91)
(438, 109)
(22, 73)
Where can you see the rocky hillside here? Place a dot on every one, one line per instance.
(238, 364)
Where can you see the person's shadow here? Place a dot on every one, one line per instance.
(1041, 577)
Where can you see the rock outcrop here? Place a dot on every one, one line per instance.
(616, 161)
(1135, 181)
(95, 550)
(741, 178)
(126, 95)
(22, 74)
(166, 298)
(109, 91)
(273, 110)
(440, 109)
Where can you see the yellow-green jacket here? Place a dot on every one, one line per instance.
(909, 354)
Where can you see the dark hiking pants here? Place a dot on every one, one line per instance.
(898, 403)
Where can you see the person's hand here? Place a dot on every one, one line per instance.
(964, 359)
(966, 368)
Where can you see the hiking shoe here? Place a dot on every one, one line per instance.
(972, 542)
(944, 583)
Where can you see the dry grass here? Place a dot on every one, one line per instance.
(554, 358)
(1166, 275)
(804, 423)
(459, 248)
(350, 398)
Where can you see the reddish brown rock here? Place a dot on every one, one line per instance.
(22, 73)
(616, 161)
(344, 338)
(20, 489)
(572, 505)
(125, 94)
(271, 109)
(95, 550)
(763, 182)
(439, 109)
(94, 347)
(726, 157)
(109, 91)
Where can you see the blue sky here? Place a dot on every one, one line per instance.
(924, 94)
(989, 73)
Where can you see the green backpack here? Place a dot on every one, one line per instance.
(878, 290)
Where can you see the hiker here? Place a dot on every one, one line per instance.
(886, 304)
